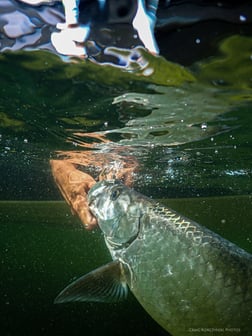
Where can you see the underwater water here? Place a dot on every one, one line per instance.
(188, 125)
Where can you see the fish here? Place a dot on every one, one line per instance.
(185, 276)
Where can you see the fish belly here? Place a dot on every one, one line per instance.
(188, 286)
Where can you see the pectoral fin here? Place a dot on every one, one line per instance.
(105, 284)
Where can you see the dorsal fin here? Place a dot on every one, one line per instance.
(105, 284)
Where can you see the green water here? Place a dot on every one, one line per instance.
(190, 129)
(43, 248)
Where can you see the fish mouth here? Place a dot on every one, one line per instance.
(91, 201)
(91, 205)
(95, 197)
(94, 194)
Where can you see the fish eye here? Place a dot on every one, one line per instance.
(114, 194)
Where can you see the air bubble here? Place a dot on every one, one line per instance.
(148, 72)
(203, 126)
(243, 18)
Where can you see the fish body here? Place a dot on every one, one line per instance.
(184, 275)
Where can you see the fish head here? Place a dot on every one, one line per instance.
(118, 210)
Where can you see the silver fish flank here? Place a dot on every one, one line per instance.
(184, 275)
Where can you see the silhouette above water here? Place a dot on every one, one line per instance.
(112, 25)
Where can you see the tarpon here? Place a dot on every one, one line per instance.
(185, 276)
